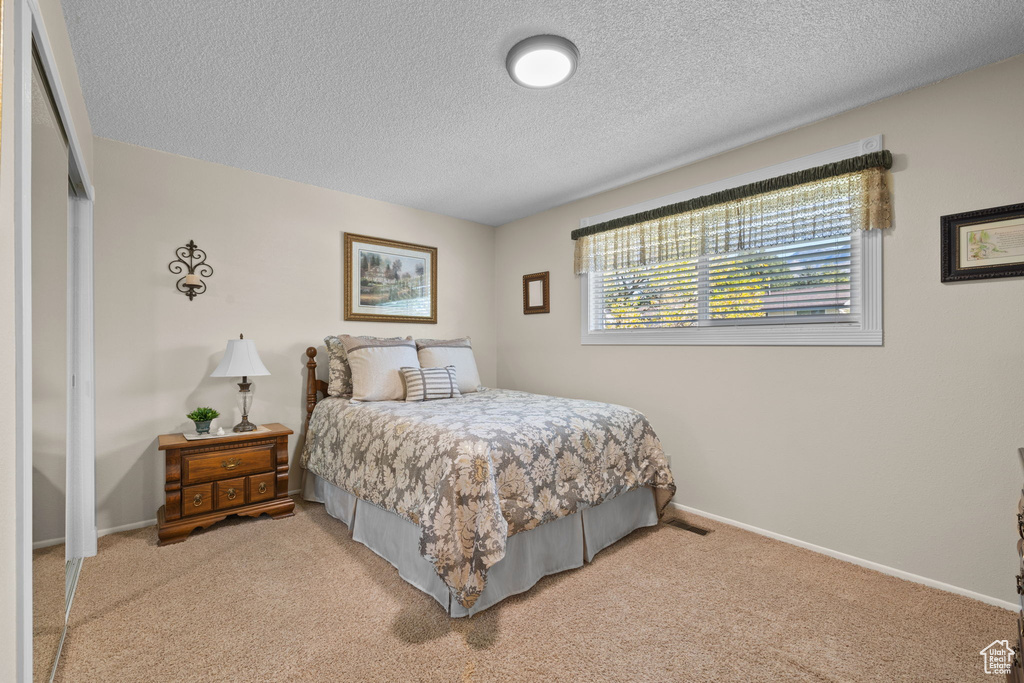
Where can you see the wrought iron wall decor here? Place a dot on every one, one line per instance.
(195, 268)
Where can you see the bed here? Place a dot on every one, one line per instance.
(476, 498)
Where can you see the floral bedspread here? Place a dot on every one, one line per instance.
(472, 471)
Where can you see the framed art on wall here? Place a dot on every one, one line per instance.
(536, 298)
(389, 281)
(983, 244)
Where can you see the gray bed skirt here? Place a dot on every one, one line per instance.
(531, 555)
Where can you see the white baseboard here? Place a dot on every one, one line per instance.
(102, 532)
(127, 527)
(891, 571)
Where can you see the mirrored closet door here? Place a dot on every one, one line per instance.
(50, 376)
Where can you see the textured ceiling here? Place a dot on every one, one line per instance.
(409, 102)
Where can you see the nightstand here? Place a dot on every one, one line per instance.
(207, 480)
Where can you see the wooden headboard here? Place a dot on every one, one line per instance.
(313, 385)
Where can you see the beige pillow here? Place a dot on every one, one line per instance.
(376, 366)
(340, 375)
(438, 353)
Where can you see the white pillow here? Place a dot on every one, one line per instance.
(376, 366)
(340, 374)
(438, 353)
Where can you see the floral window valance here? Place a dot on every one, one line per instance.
(819, 202)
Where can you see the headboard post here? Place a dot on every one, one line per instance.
(311, 384)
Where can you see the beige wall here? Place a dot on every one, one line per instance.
(8, 403)
(276, 248)
(903, 455)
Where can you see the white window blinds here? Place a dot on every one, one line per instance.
(805, 282)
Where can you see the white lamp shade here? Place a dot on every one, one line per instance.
(240, 360)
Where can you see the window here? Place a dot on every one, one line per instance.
(806, 282)
(801, 273)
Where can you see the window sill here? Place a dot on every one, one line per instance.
(764, 335)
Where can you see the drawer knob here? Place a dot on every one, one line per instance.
(198, 500)
(231, 494)
(231, 463)
(263, 487)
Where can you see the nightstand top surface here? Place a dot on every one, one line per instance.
(168, 441)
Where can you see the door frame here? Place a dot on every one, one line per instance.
(29, 30)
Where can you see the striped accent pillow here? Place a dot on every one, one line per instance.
(429, 384)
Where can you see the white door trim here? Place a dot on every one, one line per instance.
(22, 118)
(28, 30)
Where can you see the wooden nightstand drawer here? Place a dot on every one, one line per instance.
(230, 493)
(208, 480)
(196, 500)
(261, 487)
(227, 463)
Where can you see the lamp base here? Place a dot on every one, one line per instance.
(245, 425)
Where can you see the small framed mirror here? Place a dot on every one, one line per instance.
(535, 293)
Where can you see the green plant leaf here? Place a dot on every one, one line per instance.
(203, 414)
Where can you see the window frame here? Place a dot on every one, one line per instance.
(866, 332)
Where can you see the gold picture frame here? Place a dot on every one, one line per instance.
(389, 281)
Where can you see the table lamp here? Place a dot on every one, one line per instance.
(241, 360)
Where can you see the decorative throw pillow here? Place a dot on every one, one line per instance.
(376, 366)
(339, 380)
(429, 384)
(438, 353)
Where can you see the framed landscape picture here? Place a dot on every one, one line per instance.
(983, 244)
(389, 281)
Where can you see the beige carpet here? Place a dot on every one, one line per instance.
(297, 600)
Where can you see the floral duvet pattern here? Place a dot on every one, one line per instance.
(474, 470)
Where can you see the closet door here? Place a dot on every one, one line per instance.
(50, 381)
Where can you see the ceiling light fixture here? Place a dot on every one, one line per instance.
(542, 61)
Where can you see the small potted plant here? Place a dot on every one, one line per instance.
(203, 417)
